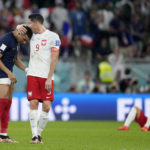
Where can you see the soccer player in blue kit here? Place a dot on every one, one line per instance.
(8, 58)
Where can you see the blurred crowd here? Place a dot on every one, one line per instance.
(102, 33)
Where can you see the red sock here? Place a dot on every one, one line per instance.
(3, 104)
(5, 117)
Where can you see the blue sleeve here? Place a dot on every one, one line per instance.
(3, 47)
(3, 44)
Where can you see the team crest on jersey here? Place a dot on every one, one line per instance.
(43, 42)
(30, 93)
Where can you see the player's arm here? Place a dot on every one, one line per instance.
(11, 76)
(20, 64)
(54, 60)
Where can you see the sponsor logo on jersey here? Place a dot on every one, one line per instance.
(43, 42)
(3, 47)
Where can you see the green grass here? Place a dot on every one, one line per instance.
(79, 135)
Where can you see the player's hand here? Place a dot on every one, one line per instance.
(26, 70)
(12, 77)
(21, 28)
(48, 84)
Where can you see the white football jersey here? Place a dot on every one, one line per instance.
(40, 53)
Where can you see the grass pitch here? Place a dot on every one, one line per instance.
(79, 135)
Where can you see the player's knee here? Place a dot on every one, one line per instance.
(138, 111)
(46, 108)
(34, 104)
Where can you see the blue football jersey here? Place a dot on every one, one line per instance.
(8, 48)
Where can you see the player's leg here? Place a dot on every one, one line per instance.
(43, 118)
(4, 94)
(143, 121)
(5, 119)
(133, 114)
(33, 94)
(146, 127)
(47, 98)
(33, 115)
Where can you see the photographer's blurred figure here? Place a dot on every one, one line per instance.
(97, 87)
(129, 84)
(113, 88)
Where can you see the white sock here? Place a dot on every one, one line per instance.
(131, 117)
(33, 115)
(42, 121)
(147, 124)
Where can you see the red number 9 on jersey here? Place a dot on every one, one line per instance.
(37, 47)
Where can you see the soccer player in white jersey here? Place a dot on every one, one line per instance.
(44, 52)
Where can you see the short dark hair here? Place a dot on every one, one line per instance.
(36, 17)
(28, 32)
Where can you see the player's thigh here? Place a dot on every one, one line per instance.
(4, 90)
(33, 88)
(11, 90)
(138, 112)
(46, 95)
(46, 106)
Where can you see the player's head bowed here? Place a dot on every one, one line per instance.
(29, 32)
(23, 37)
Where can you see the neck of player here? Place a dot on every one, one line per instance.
(41, 29)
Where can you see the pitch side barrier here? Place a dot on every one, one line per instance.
(84, 106)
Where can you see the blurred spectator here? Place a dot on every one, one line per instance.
(127, 10)
(105, 71)
(125, 37)
(86, 84)
(103, 48)
(73, 89)
(78, 19)
(117, 62)
(97, 87)
(113, 88)
(129, 84)
(86, 4)
(59, 16)
(137, 28)
(106, 15)
(145, 7)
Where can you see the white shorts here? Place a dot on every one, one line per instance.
(5, 81)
